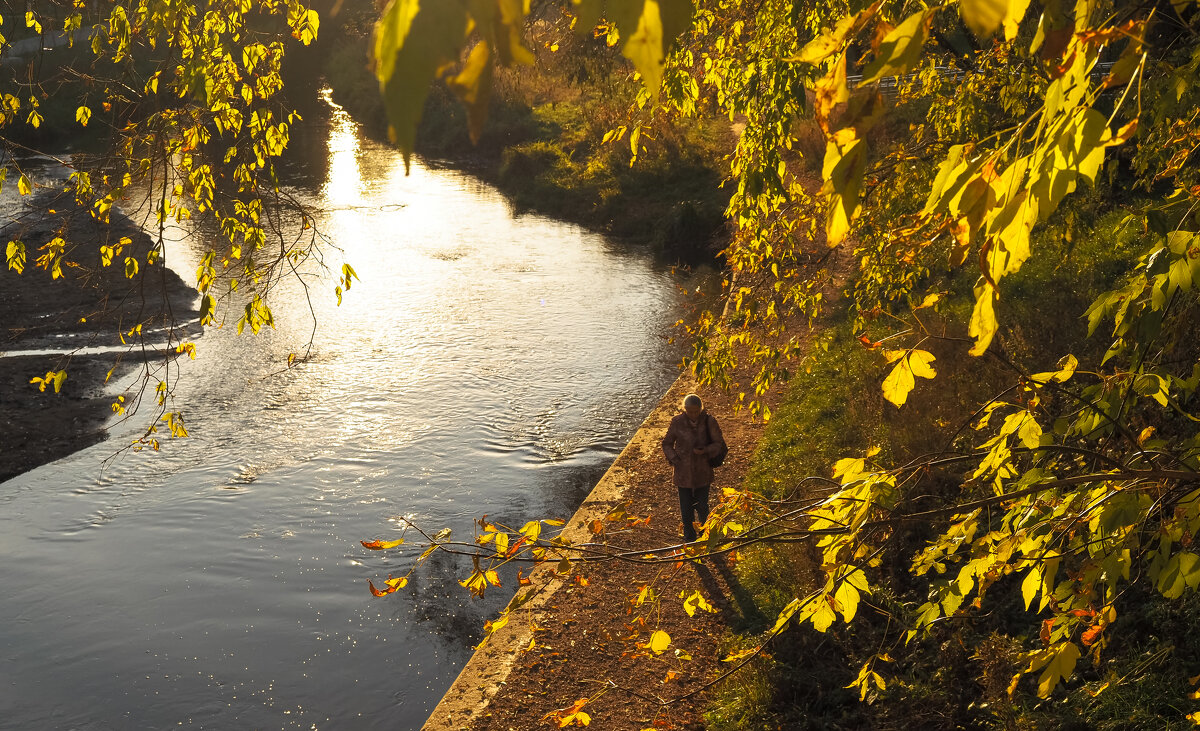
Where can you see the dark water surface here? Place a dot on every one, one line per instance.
(484, 364)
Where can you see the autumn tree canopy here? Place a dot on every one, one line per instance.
(1078, 478)
(948, 136)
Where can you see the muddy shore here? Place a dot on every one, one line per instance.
(49, 324)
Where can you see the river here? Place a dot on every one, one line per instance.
(485, 363)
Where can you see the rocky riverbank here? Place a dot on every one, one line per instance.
(78, 322)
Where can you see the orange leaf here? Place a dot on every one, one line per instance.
(380, 545)
(385, 592)
(1091, 634)
(516, 546)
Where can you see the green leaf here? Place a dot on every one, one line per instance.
(208, 306)
(413, 40)
(648, 39)
(1181, 571)
(901, 48)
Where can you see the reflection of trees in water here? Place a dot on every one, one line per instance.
(434, 597)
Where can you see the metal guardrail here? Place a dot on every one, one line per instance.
(889, 84)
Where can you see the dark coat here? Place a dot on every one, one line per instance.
(683, 435)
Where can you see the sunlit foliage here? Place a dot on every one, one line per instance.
(1079, 478)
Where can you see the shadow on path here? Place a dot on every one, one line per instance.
(742, 614)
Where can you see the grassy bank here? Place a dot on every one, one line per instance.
(542, 145)
(959, 675)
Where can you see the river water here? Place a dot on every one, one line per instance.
(485, 363)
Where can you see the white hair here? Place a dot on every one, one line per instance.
(692, 400)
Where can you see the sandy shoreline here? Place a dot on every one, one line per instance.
(62, 321)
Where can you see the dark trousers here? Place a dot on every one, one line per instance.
(693, 503)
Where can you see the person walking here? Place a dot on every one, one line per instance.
(693, 445)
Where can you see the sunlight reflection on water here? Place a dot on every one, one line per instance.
(483, 364)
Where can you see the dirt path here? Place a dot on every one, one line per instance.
(575, 643)
(585, 637)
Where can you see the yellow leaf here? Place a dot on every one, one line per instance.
(649, 33)
(659, 642)
(826, 44)
(821, 614)
(740, 654)
(901, 48)
(381, 545)
(532, 529)
(830, 90)
(919, 361)
(491, 627)
(901, 380)
(983, 17)
(983, 319)
(929, 301)
(1066, 368)
(847, 600)
(898, 384)
(845, 163)
(15, 253)
(696, 601)
(1060, 666)
(23, 185)
(1013, 15)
